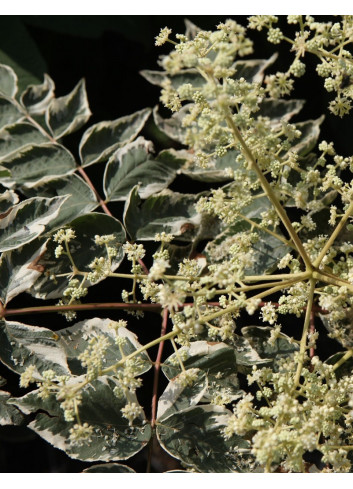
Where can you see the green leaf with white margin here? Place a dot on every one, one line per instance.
(112, 438)
(8, 81)
(253, 70)
(84, 251)
(15, 137)
(218, 360)
(267, 250)
(194, 436)
(278, 110)
(35, 165)
(133, 164)
(216, 170)
(168, 211)
(177, 398)
(80, 198)
(36, 98)
(109, 468)
(258, 337)
(9, 414)
(19, 270)
(158, 78)
(345, 324)
(75, 339)
(172, 126)
(102, 139)
(247, 356)
(27, 220)
(22, 345)
(65, 115)
(7, 199)
(210, 357)
(310, 134)
(9, 113)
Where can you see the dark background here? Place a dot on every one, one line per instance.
(109, 52)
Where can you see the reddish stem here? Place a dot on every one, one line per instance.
(108, 305)
(87, 307)
(79, 307)
(157, 367)
(93, 188)
(143, 266)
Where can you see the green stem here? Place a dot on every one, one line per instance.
(345, 357)
(283, 276)
(235, 308)
(277, 236)
(334, 235)
(244, 288)
(269, 191)
(305, 333)
(332, 280)
(336, 447)
(155, 342)
(68, 254)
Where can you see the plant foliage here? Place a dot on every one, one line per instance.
(268, 236)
